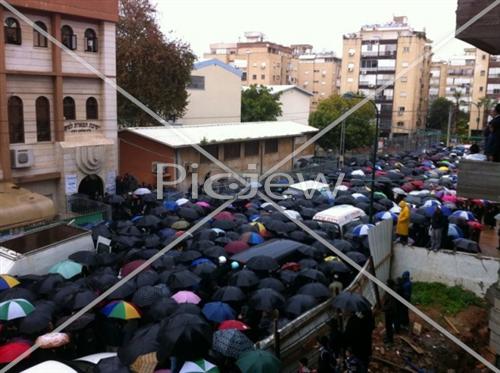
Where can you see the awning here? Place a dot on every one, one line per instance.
(21, 207)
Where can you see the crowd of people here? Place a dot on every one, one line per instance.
(196, 304)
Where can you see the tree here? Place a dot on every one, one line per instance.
(359, 130)
(259, 104)
(438, 114)
(151, 67)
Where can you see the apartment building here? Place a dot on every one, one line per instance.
(261, 61)
(318, 73)
(58, 125)
(437, 82)
(372, 59)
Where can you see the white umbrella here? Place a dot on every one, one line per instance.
(50, 366)
(141, 191)
(293, 214)
(358, 173)
(399, 191)
(181, 201)
(95, 358)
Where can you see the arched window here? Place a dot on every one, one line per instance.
(42, 119)
(92, 108)
(16, 120)
(68, 38)
(90, 40)
(12, 31)
(69, 108)
(38, 39)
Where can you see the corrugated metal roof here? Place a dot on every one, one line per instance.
(180, 136)
(282, 88)
(215, 62)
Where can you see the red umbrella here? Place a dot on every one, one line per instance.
(292, 266)
(233, 324)
(224, 215)
(131, 266)
(417, 183)
(11, 350)
(475, 225)
(235, 247)
(408, 187)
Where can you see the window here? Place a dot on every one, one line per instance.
(403, 94)
(401, 124)
(406, 49)
(16, 120)
(232, 151)
(262, 76)
(483, 72)
(69, 108)
(401, 110)
(12, 31)
(38, 39)
(254, 77)
(42, 119)
(271, 146)
(405, 64)
(481, 89)
(244, 76)
(68, 38)
(90, 40)
(92, 108)
(484, 57)
(213, 150)
(197, 82)
(251, 148)
(404, 79)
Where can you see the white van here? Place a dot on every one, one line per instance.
(339, 216)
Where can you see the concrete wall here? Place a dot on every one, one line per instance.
(218, 102)
(295, 106)
(470, 271)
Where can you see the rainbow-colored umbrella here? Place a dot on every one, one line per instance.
(15, 308)
(120, 309)
(7, 282)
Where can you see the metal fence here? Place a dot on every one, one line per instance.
(88, 210)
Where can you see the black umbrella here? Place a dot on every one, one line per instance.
(124, 291)
(351, 302)
(345, 200)
(188, 256)
(190, 308)
(50, 283)
(468, 246)
(298, 304)
(288, 276)
(311, 275)
(159, 211)
(185, 336)
(82, 298)
(357, 257)
(147, 277)
(224, 224)
(183, 279)
(266, 300)
(272, 283)
(214, 252)
(162, 308)
(308, 263)
(298, 235)
(152, 241)
(277, 226)
(144, 341)
(131, 231)
(84, 257)
(102, 282)
(229, 294)
(39, 320)
(65, 294)
(111, 365)
(334, 266)
(204, 269)
(309, 251)
(342, 245)
(16, 293)
(262, 263)
(188, 213)
(148, 221)
(315, 289)
(106, 258)
(244, 279)
(80, 323)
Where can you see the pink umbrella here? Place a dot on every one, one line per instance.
(449, 198)
(203, 204)
(185, 296)
(235, 247)
(224, 215)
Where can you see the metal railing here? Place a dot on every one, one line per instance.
(83, 206)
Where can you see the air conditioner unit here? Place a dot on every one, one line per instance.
(21, 158)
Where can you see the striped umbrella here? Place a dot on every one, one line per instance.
(199, 366)
(67, 269)
(362, 230)
(386, 215)
(120, 309)
(15, 309)
(431, 203)
(466, 215)
(7, 282)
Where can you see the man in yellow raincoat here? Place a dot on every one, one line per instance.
(402, 227)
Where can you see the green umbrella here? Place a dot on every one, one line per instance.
(180, 225)
(258, 361)
(67, 269)
(199, 366)
(379, 195)
(15, 309)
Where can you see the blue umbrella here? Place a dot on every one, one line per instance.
(361, 230)
(467, 215)
(386, 215)
(171, 205)
(218, 312)
(454, 231)
(431, 202)
(167, 232)
(199, 261)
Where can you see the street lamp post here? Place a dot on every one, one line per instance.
(375, 150)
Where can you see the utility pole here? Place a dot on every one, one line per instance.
(450, 117)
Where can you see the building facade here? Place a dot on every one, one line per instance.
(379, 56)
(437, 82)
(251, 147)
(58, 119)
(214, 94)
(318, 73)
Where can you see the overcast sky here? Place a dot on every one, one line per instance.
(318, 22)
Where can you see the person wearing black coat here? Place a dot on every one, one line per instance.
(492, 149)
